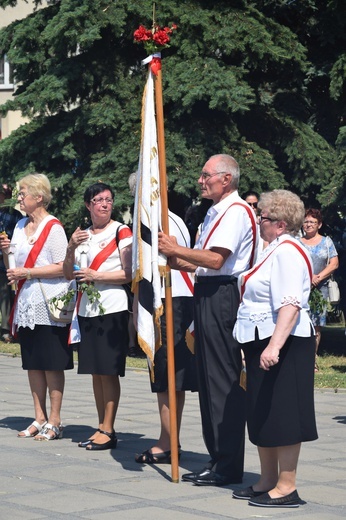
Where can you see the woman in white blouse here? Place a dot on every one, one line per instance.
(277, 338)
(102, 321)
(39, 246)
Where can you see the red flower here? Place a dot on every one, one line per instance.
(154, 40)
(142, 34)
(161, 37)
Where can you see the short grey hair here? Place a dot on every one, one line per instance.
(37, 185)
(227, 163)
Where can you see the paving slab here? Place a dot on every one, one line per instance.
(57, 480)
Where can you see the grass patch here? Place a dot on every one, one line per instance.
(331, 360)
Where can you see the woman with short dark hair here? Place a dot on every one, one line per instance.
(101, 256)
(325, 261)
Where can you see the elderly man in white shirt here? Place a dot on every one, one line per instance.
(225, 248)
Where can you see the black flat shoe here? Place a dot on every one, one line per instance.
(111, 444)
(247, 493)
(265, 500)
(84, 444)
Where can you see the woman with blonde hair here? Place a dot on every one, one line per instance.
(39, 246)
(277, 337)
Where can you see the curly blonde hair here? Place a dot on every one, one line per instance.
(283, 205)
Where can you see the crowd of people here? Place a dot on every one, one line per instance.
(245, 284)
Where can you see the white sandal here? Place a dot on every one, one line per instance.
(43, 435)
(27, 433)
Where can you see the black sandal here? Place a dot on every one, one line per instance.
(84, 444)
(112, 443)
(154, 458)
(164, 457)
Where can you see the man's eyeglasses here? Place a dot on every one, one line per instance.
(206, 176)
(253, 204)
(260, 219)
(101, 200)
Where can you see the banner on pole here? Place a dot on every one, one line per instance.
(147, 264)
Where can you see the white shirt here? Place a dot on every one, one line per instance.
(233, 233)
(178, 229)
(282, 279)
(112, 297)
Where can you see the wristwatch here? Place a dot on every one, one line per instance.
(28, 274)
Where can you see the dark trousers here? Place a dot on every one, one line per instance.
(218, 357)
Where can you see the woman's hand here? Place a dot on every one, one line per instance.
(316, 279)
(269, 357)
(78, 237)
(85, 274)
(287, 318)
(15, 274)
(4, 242)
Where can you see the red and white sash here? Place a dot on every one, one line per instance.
(100, 258)
(253, 227)
(255, 269)
(30, 262)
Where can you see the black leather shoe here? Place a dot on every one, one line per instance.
(191, 477)
(210, 478)
(247, 493)
(291, 500)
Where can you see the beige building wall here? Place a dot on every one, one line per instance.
(8, 15)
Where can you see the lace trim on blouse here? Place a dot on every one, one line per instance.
(260, 316)
(290, 300)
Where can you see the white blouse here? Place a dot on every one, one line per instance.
(178, 229)
(112, 297)
(31, 308)
(282, 279)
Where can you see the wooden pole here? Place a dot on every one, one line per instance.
(168, 287)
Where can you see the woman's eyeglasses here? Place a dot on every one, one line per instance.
(101, 200)
(253, 204)
(22, 195)
(260, 219)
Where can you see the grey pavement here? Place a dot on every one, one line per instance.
(58, 480)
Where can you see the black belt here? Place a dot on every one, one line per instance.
(222, 279)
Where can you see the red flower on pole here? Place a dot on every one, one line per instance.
(155, 39)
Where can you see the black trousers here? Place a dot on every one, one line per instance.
(218, 357)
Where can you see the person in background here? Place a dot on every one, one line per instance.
(101, 324)
(325, 261)
(225, 248)
(251, 197)
(40, 246)
(277, 337)
(184, 359)
(8, 220)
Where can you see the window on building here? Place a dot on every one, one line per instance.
(6, 77)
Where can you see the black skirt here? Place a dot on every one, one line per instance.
(280, 402)
(45, 348)
(104, 344)
(184, 360)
